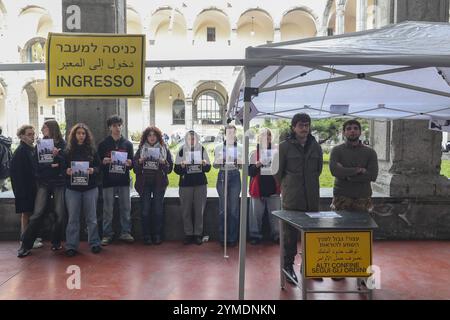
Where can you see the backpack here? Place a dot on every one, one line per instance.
(5, 161)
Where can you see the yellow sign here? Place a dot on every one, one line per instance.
(95, 65)
(338, 254)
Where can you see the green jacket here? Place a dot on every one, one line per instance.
(298, 173)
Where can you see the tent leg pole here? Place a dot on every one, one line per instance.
(243, 215)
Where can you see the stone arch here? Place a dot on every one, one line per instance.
(160, 24)
(212, 25)
(33, 50)
(162, 95)
(216, 96)
(297, 23)
(134, 21)
(38, 22)
(255, 26)
(3, 13)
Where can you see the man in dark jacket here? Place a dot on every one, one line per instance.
(300, 165)
(5, 160)
(116, 180)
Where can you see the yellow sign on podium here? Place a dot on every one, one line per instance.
(337, 254)
(95, 65)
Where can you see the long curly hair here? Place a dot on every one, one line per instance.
(88, 141)
(146, 133)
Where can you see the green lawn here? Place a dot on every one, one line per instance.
(445, 168)
(326, 179)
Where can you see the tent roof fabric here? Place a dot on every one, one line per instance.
(399, 71)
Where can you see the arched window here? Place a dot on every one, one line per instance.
(209, 108)
(178, 111)
(34, 51)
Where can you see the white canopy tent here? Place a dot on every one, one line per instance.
(401, 71)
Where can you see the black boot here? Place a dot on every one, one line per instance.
(290, 271)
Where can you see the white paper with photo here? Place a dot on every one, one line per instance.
(118, 162)
(45, 150)
(151, 158)
(194, 162)
(194, 157)
(269, 166)
(439, 125)
(80, 173)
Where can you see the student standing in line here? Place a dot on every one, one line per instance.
(228, 157)
(191, 164)
(152, 163)
(23, 176)
(50, 182)
(263, 188)
(116, 180)
(81, 188)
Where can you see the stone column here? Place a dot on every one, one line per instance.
(15, 112)
(277, 35)
(188, 113)
(361, 15)
(145, 111)
(33, 108)
(411, 167)
(340, 17)
(100, 16)
(410, 158)
(152, 108)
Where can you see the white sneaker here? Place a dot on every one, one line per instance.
(126, 237)
(38, 243)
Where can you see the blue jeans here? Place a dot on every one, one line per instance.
(152, 215)
(233, 204)
(76, 201)
(124, 209)
(258, 207)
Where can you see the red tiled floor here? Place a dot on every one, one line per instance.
(409, 270)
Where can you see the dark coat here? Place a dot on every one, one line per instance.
(161, 180)
(299, 171)
(23, 180)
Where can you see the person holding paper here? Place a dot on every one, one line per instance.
(228, 157)
(264, 189)
(116, 179)
(300, 165)
(191, 164)
(152, 163)
(50, 178)
(355, 166)
(23, 176)
(81, 188)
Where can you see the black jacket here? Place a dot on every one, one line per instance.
(193, 179)
(47, 175)
(104, 151)
(23, 170)
(81, 153)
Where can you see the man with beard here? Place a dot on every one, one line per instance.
(354, 165)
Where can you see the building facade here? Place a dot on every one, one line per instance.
(179, 97)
